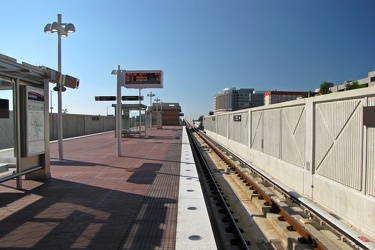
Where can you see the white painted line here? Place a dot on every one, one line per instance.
(194, 229)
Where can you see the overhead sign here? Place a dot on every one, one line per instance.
(70, 82)
(105, 98)
(142, 79)
(124, 98)
(132, 98)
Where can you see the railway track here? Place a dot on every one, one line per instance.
(270, 215)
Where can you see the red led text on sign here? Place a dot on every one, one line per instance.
(142, 77)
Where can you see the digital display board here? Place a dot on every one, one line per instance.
(142, 79)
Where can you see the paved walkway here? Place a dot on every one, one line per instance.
(96, 200)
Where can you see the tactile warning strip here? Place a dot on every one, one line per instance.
(154, 227)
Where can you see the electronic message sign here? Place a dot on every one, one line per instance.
(142, 79)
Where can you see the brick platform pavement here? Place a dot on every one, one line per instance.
(96, 200)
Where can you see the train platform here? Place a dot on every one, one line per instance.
(96, 200)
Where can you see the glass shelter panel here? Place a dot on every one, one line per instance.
(7, 125)
(133, 121)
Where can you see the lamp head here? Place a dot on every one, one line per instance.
(64, 33)
(55, 27)
(57, 88)
(69, 28)
(47, 28)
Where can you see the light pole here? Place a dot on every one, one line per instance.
(158, 115)
(51, 103)
(62, 30)
(120, 82)
(150, 95)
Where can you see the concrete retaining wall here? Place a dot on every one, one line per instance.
(78, 125)
(317, 146)
(73, 125)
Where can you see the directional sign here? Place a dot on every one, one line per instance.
(124, 98)
(142, 79)
(105, 98)
(132, 98)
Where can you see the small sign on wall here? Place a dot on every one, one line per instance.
(369, 116)
(237, 118)
(4, 108)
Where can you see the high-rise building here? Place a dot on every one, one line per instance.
(231, 99)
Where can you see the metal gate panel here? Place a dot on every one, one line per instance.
(238, 130)
(257, 130)
(271, 143)
(222, 121)
(338, 142)
(293, 135)
(370, 168)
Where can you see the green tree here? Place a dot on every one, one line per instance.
(324, 88)
(308, 94)
(200, 118)
(352, 85)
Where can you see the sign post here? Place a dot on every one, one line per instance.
(132, 79)
(141, 79)
(120, 77)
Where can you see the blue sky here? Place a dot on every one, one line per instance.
(202, 46)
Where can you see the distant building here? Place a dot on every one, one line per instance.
(170, 113)
(274, 96)
(369, 81)
(231, 99)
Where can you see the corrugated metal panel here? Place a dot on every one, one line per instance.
(293, 135)
(207, 123)
(214, 126)
(245, 129)
(271, 143)
(338, 140)
(370, 171)
(222, 125)
(239, 130)
(257, 130)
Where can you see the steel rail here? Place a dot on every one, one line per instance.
(354, 236)
(316, 243)
(241, 242)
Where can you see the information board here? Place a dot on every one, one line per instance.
(142, 79)
(35, 121)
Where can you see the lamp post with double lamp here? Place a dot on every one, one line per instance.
(62, 30)
(150, 95)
